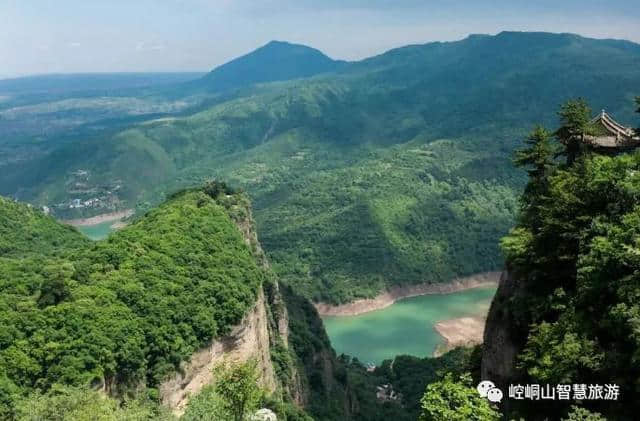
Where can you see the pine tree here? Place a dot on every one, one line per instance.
(575, 117)
(537, 157)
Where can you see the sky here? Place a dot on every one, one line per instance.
(71, 36)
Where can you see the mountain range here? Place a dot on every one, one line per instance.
(391, 170)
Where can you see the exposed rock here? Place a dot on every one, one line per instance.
(250, 339)
(462, 331)
(501, 342)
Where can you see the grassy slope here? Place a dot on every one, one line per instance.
(354, 182)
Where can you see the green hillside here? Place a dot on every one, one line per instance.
(390, 170)
(125, 311)
(25, 231)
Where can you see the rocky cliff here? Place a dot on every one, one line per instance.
(287, 365)
(499, 351)
(248, 340)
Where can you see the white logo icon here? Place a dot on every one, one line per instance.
(487, 389)
(484, 387)
(494, 395)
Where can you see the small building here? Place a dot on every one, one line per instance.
(610, 136)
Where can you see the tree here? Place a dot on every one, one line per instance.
(66, 403)
(237, 386)
(448, 400)
(205, 406)
(537, 157)
(575, 117)
(55, 285)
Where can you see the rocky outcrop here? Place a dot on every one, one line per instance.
(282, 332)
(248, 340)
(501, 342)
(260, 329)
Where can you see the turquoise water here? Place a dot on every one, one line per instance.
(406, 327)
(98, 231)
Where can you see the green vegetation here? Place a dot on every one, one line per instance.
(409, 377)
(234, 395)
(449, 400)
(126, 311)
(323, 378)
(238, 389)
(65, 403)
(580, 414)
(27, 231)
(575, 251)
(392, 170)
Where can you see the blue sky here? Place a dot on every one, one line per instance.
(54, 36)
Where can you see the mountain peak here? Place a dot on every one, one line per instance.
(274, 61)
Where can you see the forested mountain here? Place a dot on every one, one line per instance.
(395, 169)
(121, 312)
(117, 318)
(101, 330)
(275, 61)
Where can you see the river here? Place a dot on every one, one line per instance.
(97, 231)
(404, 328)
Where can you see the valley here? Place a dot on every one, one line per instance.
(317, 218)
(364, 175)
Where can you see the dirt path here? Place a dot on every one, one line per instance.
(396, 293)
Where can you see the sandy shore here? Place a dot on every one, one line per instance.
(461, 331)
(118, 225)
(99, 219)
(396, 293)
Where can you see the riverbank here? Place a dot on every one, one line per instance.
(394, 294)
(115, 217)
(463, 331)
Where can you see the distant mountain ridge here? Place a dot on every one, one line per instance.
(275, 61)
(389, 171)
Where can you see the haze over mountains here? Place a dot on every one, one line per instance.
(395, 169)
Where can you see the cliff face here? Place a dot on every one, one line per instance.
(248, 340)
(263, 332)
(500, 349)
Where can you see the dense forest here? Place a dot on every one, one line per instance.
(121, 312)
(572, 314)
